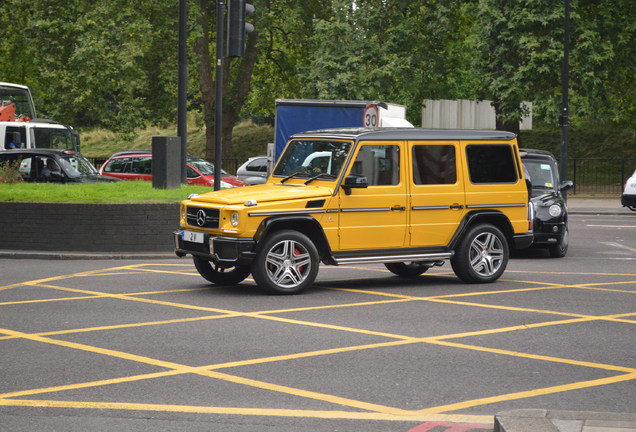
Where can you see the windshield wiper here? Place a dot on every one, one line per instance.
(321, 175)
(299, 174)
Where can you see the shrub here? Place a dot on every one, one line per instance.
(10, 172)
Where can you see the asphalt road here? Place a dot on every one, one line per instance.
(150, 346)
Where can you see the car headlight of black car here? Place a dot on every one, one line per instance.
(555, 210)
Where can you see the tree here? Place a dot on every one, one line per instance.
(112, 63)
(603, 66)
(401, 51)
(520, 58)
(520, 47)
(95, 65)
(237, 76)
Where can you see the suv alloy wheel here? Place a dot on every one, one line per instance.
(482, 255)
(286, 263)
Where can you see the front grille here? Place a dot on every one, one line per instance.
(203, 217)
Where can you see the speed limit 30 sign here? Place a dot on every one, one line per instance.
(371, 117)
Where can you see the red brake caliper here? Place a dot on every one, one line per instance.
(297, 252)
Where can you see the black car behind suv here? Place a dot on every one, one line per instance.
(546, 194)
(55, 166)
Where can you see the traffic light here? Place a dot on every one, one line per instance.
(237, 27)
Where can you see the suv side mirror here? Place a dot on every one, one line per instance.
(354, 181)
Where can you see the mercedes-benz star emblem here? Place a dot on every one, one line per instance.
(201, 217)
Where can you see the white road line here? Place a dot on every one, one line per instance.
(612, 226)
(620, 246)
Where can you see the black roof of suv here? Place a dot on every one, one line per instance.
(410, 134)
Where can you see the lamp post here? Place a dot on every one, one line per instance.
(218, 121)
(565, 77)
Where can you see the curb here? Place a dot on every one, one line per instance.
(75, 255)
(599, 212)
(539, 420)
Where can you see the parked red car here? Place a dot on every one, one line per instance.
(137, 165)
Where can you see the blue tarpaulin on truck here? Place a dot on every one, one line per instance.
(293, 116)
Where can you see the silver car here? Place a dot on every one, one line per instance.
(254, 171)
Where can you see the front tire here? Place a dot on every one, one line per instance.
(559, 250)
(410, 270)
(286, 263)
(220, 275)
(482, 255)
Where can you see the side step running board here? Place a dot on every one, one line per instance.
(393, 258)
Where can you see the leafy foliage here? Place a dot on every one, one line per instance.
(10, 172)
(92, 64)
(113, 64)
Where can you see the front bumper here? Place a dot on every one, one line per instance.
(549, 233)
(628, 200)
(225, 251)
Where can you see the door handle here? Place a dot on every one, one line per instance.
(398, 208)
(456, 206)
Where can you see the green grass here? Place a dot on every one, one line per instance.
(103, 193)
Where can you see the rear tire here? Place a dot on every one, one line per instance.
(482, 255)
(410, 270)
(286, 263)
(220, 275)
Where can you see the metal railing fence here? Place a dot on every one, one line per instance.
(599, 176)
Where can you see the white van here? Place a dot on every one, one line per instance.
(38, 133)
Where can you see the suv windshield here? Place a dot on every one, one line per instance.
(542, 175)
(308, 158)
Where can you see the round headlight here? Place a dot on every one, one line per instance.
(235, 219)
(183, 212)
(555, 210)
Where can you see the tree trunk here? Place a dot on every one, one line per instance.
(237, 76)
(237, 88)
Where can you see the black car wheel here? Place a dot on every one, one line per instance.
(220, 275)
(559, 250)
(412, 269)
(286, 263)
(482, 255)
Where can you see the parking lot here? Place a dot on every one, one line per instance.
(149, 345)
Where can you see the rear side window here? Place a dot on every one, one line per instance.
(434, 164)
(141, 165)
(118, 165)
(491, 163)
(258, 165)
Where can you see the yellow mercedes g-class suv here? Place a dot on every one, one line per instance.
(405, 197)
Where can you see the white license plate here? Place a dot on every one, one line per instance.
(192, 236)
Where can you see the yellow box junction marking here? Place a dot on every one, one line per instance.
(373, 411)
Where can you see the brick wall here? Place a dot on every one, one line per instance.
(88, 227)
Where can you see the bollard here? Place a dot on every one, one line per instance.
(166, 162)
